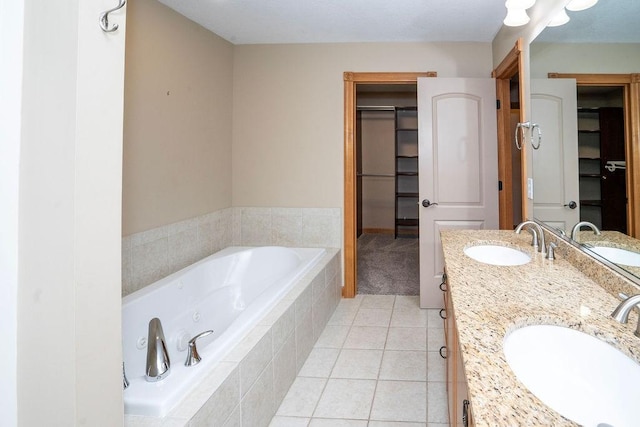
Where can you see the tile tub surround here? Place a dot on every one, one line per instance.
(490, 301)
(151, 255)
(246, 387)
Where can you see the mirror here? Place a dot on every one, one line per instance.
(580, 170)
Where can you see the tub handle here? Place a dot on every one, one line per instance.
(193, 358)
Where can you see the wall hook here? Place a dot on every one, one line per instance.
(104, 17)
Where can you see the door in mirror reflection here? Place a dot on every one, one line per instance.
(555, 162)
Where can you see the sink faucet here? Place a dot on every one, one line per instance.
(158, 363)
(576, 228)
(621, 313)
(538, 230)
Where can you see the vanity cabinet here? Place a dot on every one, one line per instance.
(457, 394)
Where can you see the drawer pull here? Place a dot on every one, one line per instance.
(444, 347)
(465, 413)
(443, 286)
(443, 316)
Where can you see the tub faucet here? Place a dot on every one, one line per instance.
(621, 313)
(540, 242)
(193, 358)
(158, 363)
(576, 228)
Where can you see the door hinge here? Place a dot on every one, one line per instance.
(497, 104)
(499, 185)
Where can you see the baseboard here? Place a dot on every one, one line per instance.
(378, 230)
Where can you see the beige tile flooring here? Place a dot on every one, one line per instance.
(376, 364)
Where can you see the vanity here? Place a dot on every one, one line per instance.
(485, 303)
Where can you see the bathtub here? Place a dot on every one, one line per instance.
(227, 292)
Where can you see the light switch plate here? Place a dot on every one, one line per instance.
(530, 188)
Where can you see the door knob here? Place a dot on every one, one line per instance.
(426, 203)
(572, 205)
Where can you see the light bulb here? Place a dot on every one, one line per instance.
(516, 17)
(560, 19)
(520, 4)
(578, 5)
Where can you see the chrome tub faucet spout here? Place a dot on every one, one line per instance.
(158, 363)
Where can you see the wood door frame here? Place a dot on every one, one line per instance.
(631, 88)
(511, 65)
(351, 80)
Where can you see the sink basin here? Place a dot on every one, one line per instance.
(497, 255)
(584, 379)
(617, 255)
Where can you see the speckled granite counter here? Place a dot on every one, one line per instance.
(490, 301)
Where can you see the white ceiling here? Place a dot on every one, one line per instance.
(338, 21)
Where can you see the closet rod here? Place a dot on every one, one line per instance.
(375, 108)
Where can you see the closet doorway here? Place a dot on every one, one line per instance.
(386, 135)
(352, 82)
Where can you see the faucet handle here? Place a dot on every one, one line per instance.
(125, 381)
(193, 358)
(550, 251)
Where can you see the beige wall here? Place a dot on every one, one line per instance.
(288, 112)
(69, 328)
(177, 134)
(584, 58)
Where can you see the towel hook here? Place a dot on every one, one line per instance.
(104, 17)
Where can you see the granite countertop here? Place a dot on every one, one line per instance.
(490, 301)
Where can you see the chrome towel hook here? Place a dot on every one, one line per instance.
(104, 17)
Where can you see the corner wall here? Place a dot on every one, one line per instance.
(70, 217)
(177, 123)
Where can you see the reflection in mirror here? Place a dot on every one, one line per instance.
(583, 165)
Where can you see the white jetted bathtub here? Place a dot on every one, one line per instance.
(227, 292)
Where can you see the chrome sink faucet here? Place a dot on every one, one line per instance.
(158, 363)
(576, 228)
(621, 313)
(537, 230)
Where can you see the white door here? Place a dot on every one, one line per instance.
(555, 163)
(458, 160)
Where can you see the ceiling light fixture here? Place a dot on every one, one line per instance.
(578, 5)
(560, 19)
(516, 17)
(521, 4)
(517, 12)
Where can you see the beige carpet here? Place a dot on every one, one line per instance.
(388, 266)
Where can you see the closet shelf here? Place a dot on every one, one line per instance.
(406, 147)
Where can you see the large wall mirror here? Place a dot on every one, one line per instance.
(587, 165)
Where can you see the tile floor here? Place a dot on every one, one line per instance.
(376, 364)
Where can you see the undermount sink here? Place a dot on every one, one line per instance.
(497, 255)
(582, 378)
(617, 255)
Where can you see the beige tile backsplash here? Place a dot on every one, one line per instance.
(151, 255)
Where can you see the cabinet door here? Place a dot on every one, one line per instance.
(451, 345)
